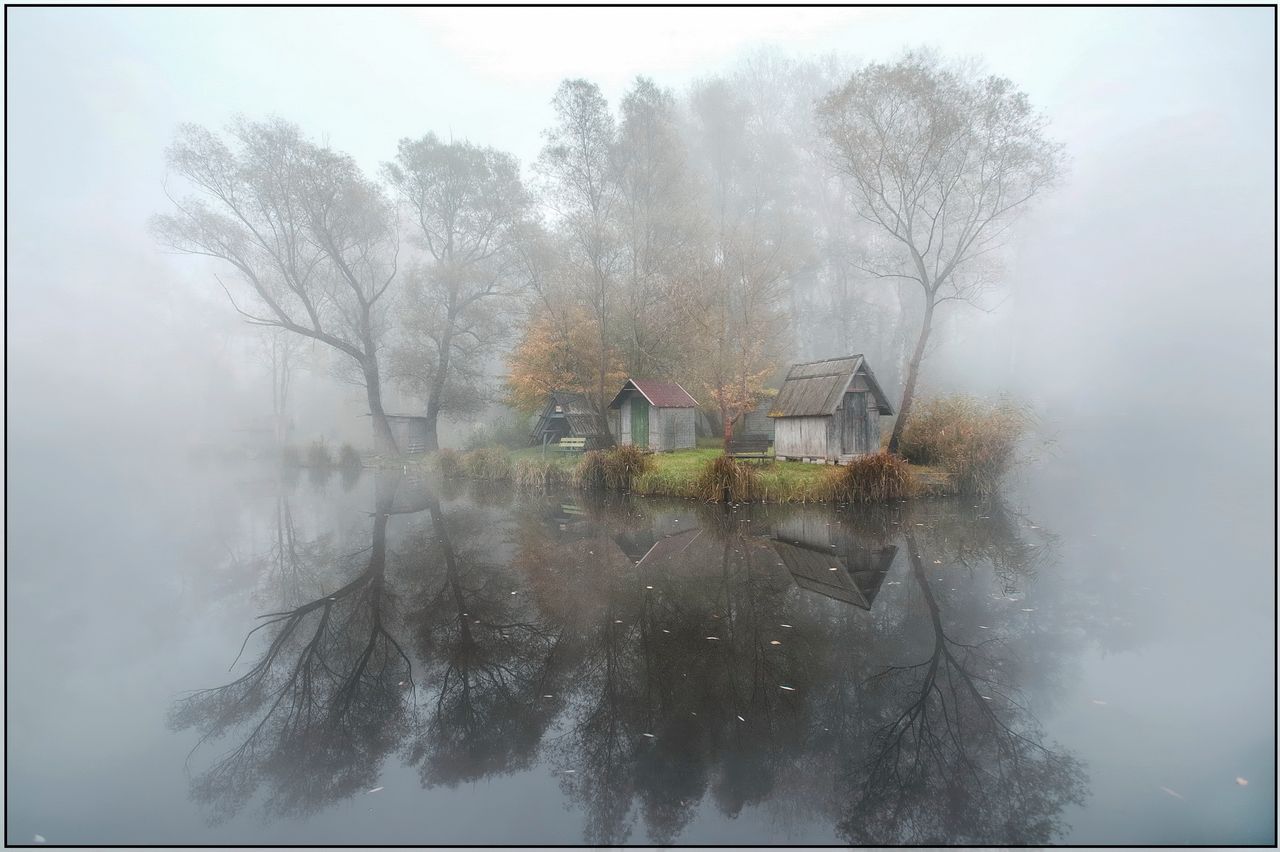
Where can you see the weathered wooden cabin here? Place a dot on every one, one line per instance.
(569, 415)
(757, 423)
(656, 415)
(828, 411)
(409, 432)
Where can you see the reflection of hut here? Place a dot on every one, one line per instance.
(570, 521)
(829, 411)
(655, 415)
(851, 571)
(663, 551)
(409, 432)
(569, 415)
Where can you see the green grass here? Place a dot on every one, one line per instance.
(677, 475)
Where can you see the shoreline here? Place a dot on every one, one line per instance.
(670, 475)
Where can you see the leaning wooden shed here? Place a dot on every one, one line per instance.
(656, 415)
(828, 411)
(569, 415)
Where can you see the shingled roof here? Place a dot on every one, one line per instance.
(814, 389)
(659, 394)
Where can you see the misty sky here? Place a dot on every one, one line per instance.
(1156, 255)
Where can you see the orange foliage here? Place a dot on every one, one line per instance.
(558, 352)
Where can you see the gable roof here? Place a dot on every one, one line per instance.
(576, 410)
(659, 394)
(815, 388)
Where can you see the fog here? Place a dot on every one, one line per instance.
(1147, 272)
(1131, 305)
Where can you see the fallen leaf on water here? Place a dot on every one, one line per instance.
(1173, 793)
(39, 838)
(833, 569)
(665, 630)
(937, 562)
(983, 627)
(1028, 609)
(787, 688)
(1099, 703)
(785, 625)
(650, 736)
(570, 771)
(774, 642)
(648, 587)
(546, 696)
(986, 698)
(617, 621)
(714, 637)
(1243, 782)
(375, 789)
(740, 719)
(514, 593)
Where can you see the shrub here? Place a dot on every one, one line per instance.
(348, 458)
(871, 478)
(490, 463)
(510, 432)
(318, 454)
(450, 463)
(291, 457)
(726, 478)
(623, 465)
(538, 474)
(589, 473)
(975, 441)
(616, 469)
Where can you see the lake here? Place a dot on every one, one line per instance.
(218, 654)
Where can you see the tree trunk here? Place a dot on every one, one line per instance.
(384, 443)
(913, 373)
(437, 390)
(728, 430)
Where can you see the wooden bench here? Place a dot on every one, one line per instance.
(570, 445)
(748, 448)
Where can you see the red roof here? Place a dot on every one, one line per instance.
(659, 394)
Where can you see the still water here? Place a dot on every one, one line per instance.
(218, 654)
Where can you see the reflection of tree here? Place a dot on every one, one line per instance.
(959, 759)
(488, 654)
(322, 706)
(881, 713)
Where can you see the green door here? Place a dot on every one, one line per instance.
(640, 421)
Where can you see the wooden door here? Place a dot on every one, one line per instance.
(854, 437)
(640, 421)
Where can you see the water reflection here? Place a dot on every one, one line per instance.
(861, 670)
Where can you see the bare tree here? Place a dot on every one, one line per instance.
(313, 240)
(472, 213)
(582, 188)
(941, 161)
(744, 275)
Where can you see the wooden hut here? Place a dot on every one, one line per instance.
(828, 411)
(656, 415)
(410, 433)
(569, 415)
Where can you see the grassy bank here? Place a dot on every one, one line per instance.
(701, 474)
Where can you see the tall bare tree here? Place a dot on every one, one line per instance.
(472, 213)
(941, 161)
(313, 241)
(580, 178)
(739, 303)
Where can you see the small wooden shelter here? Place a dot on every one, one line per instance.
(828, 411)
(409, 432)
(569, 415)
(655, 415)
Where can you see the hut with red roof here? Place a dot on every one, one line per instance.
(655, 415)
